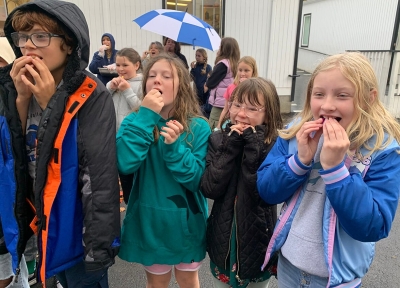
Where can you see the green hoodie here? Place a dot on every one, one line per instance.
(166, 216)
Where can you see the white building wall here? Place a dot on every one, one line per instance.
(249, 22)
(340, 25)
(282, 44)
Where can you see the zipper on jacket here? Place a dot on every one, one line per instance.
(237, 248)
(229, 250)
(17, 275)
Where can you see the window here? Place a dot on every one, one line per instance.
(208, 10)
(305, 37)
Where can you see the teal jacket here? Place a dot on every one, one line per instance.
(166, 216)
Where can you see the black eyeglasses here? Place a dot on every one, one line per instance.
(39, 39)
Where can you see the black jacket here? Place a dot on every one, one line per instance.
(95, 186)
(230, 180)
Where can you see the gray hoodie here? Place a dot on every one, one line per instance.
(127, 101)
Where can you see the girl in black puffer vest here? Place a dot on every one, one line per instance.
(241, 223)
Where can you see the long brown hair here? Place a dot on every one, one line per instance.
(251, 90)
(203, 53)
(186, 105)
(229, 49)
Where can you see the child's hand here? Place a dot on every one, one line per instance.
(306, 144)
(239, 128)
(172, 132)
(17, 71)
(123, 84)
(336, 144)
(193, 64)
(114, 83)
(45, 86)
(153, 100)
(145, 54)
(111, 66)
(103, 48)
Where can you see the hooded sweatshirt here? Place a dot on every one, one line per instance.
(99, 61)
(128, 100)
(76, 195)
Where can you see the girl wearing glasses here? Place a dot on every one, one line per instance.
(241, 224)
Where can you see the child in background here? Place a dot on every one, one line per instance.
(241, 224)
(336, 167)
(126, 90)
(247, 68)
(104, 57)
(221, 77)
(200, 72)
(165, 145)
(155, 48)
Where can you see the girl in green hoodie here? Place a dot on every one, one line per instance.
(165, 144)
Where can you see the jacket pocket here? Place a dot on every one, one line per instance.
(163, 227)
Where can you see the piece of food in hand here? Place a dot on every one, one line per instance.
(122, 76)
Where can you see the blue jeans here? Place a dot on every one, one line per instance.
(78, 277)
(290, 276)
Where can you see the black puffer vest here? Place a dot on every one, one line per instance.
(230, 179)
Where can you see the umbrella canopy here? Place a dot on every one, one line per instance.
(181, 27)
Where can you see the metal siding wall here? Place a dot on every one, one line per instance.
(249, 23)
(282, 44)
(116, 18)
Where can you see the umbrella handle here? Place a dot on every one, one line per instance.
(193, 43)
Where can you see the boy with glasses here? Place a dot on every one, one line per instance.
(50, 106)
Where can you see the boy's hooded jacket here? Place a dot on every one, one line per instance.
(76, 195)
(101, 61)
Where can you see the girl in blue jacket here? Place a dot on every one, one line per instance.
(165, 145)
(336, 168)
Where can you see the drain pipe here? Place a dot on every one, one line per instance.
(394, 40)
(296, 51)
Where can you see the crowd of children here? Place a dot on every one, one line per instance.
(173, 138)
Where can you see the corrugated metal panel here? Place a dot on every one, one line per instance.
(116, 18)
(249, 23)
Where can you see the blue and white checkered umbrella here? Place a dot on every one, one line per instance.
(181, 27)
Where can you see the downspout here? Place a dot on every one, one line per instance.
(394, 40)
(222, 33)
(296, 51)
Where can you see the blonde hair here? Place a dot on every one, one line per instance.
(203, 53)
(370, 117)
(186, 105)
(251, 90)
(253, 65)
(229, 49)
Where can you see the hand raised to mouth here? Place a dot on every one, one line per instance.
(153, 100)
